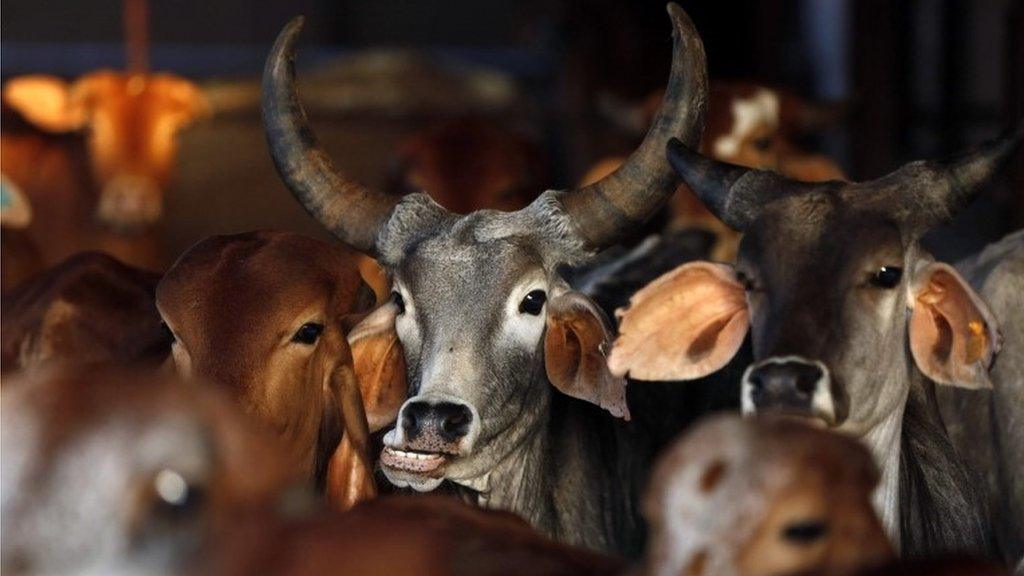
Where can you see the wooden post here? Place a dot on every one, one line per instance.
(136, 35)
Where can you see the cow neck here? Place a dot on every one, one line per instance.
(884, 441)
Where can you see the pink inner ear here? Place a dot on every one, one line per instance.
(574, 354)
(686, 324)
(953, 337)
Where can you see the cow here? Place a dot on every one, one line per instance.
(264, 315)
(95, 157)
(765, 497)
(470, 164)
(495, 349)
(423, 535)
(748, 124)
(987, 426)
(90, 309)
(114, 472)
(848, 315)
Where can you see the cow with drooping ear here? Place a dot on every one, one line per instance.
(264, 315)
(762, 497)
(504, 363)
(848, 315)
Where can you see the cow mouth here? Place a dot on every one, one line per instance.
(413, 461)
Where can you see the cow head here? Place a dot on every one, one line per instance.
(480, 324)
(264, 315)
(109, 472)
(762, 497)
(132, 122)
(833, 284)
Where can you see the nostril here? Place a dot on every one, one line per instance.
(457, 423)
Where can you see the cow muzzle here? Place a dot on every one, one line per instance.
(431, 433)
(130, 202)
(789, 385)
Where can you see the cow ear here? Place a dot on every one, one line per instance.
(46, 102)
(379, 366)
(685, 325)
(575, 345)
(349, 478)
(188, 97)
(375, 277)
(953, 335)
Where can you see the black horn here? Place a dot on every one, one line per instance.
(349, 210)
(608, 209)
(933, 191)
(735, 194)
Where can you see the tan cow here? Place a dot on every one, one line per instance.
(96, 158)
(108, 472)
(470, 164)
(265, 316)
(762, 498)
(747, 124)
(88, 309)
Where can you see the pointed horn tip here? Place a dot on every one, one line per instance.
(295, 25)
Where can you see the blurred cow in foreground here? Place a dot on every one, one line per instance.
(265, 316)
(851, 321)
(749, 125)
(95, 157)
(124, 473)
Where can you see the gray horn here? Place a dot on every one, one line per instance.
(607, 210)
(349, 210)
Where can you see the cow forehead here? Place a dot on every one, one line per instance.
(821, 230)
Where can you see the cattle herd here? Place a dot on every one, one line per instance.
(714, 356)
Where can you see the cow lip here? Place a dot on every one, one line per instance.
(412, 461)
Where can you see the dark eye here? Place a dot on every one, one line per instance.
(887, 277)
(533, 303)
(745, 280)
(763, 143)
(399, 302)
(308, 333)
(805, 533)
(175, 495)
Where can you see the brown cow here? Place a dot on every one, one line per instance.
(110, 472)
(265, 315)
(762, 498)
(470, 164)
(425, 535)
(749, 125)
(89, 309)
(96, 158)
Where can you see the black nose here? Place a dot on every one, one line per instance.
(787, 385)
(448, 420)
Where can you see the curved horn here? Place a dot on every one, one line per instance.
(349, 210)
(609, 208)
(733, 193)
(933, 191)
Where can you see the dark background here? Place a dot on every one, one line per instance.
(918, 79)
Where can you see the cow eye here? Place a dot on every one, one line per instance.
(533, 302)
(175, 495)
(746, 281)
(805, 533)
(887, 277)
(396, 297)
(308, 333)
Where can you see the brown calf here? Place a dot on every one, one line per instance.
(470, 164)
(96, 158)
(762, 497)
(265, 315)
(124, 473)
(89, 309)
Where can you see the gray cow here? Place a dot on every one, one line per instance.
(852, 322)
(483, 329)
